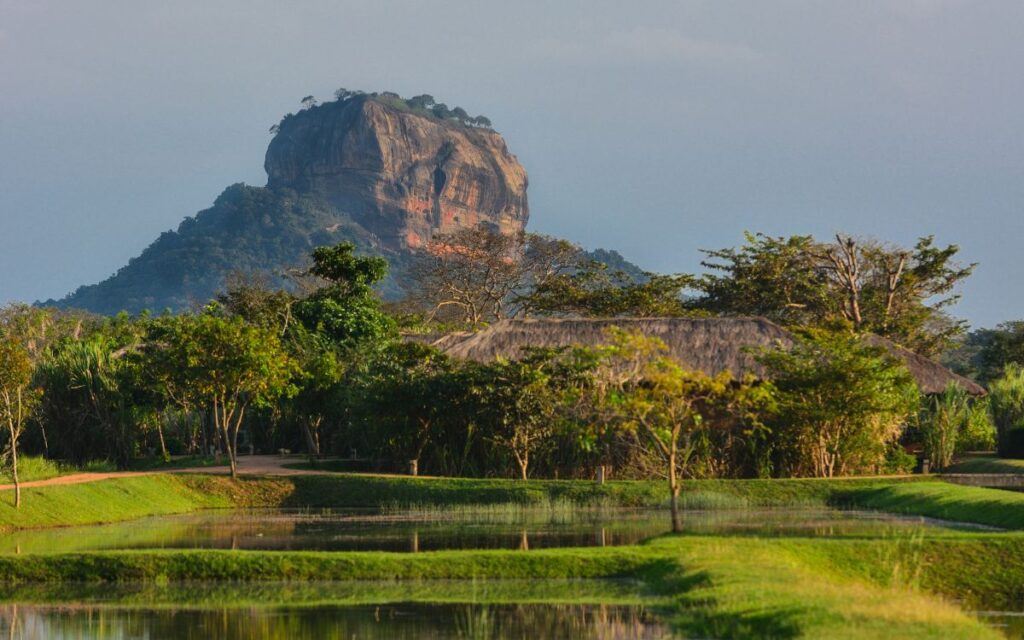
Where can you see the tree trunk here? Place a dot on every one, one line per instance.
(312, 428)
(523, 460)
(163, 444)
(673, 485)
(231, 456)
(226, 426)
(231, 443)
(14, 471)
(236, 426)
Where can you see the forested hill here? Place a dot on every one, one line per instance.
(248, 229)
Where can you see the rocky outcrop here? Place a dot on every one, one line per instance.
(372, 169)
(403, 176)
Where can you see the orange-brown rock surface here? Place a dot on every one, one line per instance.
(404, 177)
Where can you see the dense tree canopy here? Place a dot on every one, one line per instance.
(346, 309)
(222, 364)
(312, 361)
(863, 284)
(841, 404)
(477, 275)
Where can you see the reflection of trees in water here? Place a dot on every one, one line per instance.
(399, 622)
(603, 622)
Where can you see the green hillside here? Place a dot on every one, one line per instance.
(248, 229)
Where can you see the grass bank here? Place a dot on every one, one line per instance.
(295, 594)
(133, 497)
(705, 586)
(353, 490)
(740, 588)
(987, 464)
(942, 500)
(139, 496)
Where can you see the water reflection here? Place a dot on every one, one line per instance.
(1009, 623)
(416, 532)
(393, 621)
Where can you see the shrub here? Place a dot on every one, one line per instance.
(1006, 398)
(979, 433)
(942, 419)
(898, 461)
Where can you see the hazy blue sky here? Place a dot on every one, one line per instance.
(654, 128)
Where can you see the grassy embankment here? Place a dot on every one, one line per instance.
(134, 497)
(708, 585)
(987, 464)
(704, 586)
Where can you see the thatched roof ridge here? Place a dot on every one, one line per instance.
(931, 376)
(711, 345)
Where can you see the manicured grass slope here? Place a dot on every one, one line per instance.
(750, 588)
(133, 497)
(943, 500)
(987, 464)
(221, 595)
(104, 501)
(708, 587)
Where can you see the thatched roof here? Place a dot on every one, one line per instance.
(931, 376)
(711, 345)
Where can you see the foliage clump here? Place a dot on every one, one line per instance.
(423, 105)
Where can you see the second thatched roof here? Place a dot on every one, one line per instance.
(711, 345)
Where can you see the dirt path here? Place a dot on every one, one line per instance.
(247, 465)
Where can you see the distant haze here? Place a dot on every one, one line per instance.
(653, 128)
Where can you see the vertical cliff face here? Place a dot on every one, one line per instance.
(404, 177)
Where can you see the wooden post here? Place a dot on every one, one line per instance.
(414, 467)
(600, 474)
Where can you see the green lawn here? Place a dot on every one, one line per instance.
(111, 501)
(706, 586)
(987, 464)
(946, 501)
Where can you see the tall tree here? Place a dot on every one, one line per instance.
(986, 353)
(866, 285)
(842, 403)
(17, 399)
(224, 365)
(480, 275)
(668, 406)
(777, 278)
(593, 290)
(345, 308)
(1006, 395)
(411, 390)
(520, 403)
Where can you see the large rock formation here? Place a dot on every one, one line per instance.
(402, 175)
(376, 170)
